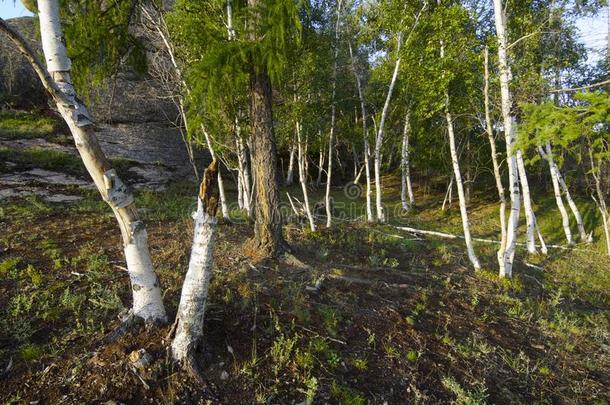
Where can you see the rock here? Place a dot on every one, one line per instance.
(140, 358)
(42, 176)
(19, 85)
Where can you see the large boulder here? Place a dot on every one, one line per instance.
(135, 116)
(19, 86)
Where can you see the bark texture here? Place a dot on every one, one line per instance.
(268, 240)
(506, 256)
(365, 137)
(380, 133)
(191, 309)
(406, 191)
(147, 301)
(494, 154)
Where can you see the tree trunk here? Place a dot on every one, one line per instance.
(448, 194)
(147, 301)
(365, 137)
(268, 240)
(221, 187)
(494, 157)
(530, 217)
(457, 175)
(460, 189)
(596, 172)
(565, 220)
(379, 138)
(331, 138)
(406, 191)
(320, 166)
(290, 174)
(191, 309)
(506, 256)
(303, 176)
(566, 191)
(244, 175)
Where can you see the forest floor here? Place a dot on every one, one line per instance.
(397, 318)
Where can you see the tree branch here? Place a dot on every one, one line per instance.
(591, 86)
(30, 55)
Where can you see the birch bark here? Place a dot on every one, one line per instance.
(331, 138)
(457, 175)
(191, 309)
(147, 301)
(379, 138)
(303, 176)
(565, 220)
(290, 173)
(406, 191)
(530, 217)
(221, 188)
(506, 255)
(566, 192)
(494, 156)
(365, 136)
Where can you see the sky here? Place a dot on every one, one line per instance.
(10, 9)
(593, 30)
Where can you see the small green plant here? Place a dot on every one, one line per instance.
(35, 276)
(333, 359)
(30, 352)
(281, 351)
(463, 397)
(360, 364)
(345, 395)
(412, 356)
(8, 267)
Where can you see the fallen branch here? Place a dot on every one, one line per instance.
(452, 236)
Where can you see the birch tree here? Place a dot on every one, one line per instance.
(494, 153)
(147, 301)
(406, 191)
(194, 295)
(365, 137)
(506, 254)
(379, 137)
(457, 175)
(331, 137)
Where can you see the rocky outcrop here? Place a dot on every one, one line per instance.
(19, 86)
(135, 119)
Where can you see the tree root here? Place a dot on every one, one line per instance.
(128, 324)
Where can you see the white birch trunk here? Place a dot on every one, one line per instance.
(147, 301)
(506, 256)
(600, 201)
(365, 136)
(457, 175)
(290, 174)
(379, 138)
(530, 217)
(303, 176)
(460, 189)
(240, 191)
(448, 194)
(566, 192)
(221, 187)
(565, 220)
(406, 191)
(331, 138)
(191, 309)
(244, 175)
(494, 157)
(320, 166)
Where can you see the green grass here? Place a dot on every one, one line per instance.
(19, 125)
(42, 158)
